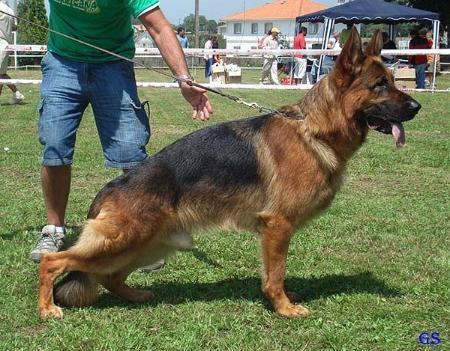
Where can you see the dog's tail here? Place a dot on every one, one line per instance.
(77, 289)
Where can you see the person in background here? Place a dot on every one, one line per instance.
(182, 38)
(334, 42)
(345, 34)
(419, 62)
(270, 66)
(388, 44)
(261, 41)
(7, 26)
(212, 43)
(430, 61)
(365, 45)
(300, 62)
(75, 75)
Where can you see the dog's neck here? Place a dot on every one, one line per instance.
(325, 119)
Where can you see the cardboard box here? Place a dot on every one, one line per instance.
(234, 77)
(405, 84)
(405, 78)
(218, 69)
(235, 73)
(218, 78)
(405, 73)
(234, 80)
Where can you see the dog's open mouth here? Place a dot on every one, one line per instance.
(386, 127)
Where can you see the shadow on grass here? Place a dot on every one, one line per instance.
(174, 293)
(13, 105)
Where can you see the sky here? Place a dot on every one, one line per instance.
(176, 10)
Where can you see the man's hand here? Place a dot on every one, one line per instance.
(201, 107)
(162, 33)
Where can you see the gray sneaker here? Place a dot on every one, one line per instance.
(50, 241)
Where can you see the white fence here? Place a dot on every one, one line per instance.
(40, 50)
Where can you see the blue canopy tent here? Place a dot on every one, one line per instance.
(370, 11)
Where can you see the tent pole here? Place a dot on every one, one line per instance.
(328, 27)
(298, 25)
(392, 31)
(435, 46)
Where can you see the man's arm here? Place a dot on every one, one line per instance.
(162, 33)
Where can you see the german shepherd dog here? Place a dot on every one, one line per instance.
(268, 175)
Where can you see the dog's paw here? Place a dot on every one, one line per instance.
(293, 311)
(51, 312)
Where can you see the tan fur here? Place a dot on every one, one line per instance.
(300, 155)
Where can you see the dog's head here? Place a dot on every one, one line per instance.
(367, 90)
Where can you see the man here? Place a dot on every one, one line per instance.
(419, 62)
(261, 40)
(182, 38)
(300, 62)
(212, 43)
(388, 44)
(270, 66)
(76, 75)
(7, 26)
(334, 42)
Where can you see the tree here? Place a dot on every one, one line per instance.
(34, 11)
(441, 7)
(207, 28)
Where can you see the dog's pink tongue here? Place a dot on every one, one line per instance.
(398, 132)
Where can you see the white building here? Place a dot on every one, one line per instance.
(243, 30)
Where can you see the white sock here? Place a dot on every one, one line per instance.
(60, 230)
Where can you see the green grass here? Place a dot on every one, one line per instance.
(373, 270)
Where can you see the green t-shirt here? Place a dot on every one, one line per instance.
(104, 23)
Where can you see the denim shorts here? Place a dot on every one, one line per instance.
(67, 89)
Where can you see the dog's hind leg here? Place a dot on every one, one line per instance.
(276, 234)
(115, 283)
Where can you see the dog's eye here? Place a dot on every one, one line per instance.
(381, 84)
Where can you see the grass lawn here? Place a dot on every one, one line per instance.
(373, 270)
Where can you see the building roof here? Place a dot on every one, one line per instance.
(278, 9)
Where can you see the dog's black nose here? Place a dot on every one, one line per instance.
(413, 106)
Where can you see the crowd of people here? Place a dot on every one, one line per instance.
(300, 65)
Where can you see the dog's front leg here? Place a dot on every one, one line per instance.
(51, 267)
(276, 234)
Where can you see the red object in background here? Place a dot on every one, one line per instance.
(287, 81)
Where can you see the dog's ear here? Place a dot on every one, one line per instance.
(351, 57)
(376, 44)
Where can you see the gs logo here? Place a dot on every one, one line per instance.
(429, 338)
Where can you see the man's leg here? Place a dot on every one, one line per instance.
(265, 73)
(56, 188)
(274, 72)
(421, 72)
(17, 97)
(61, 108)
(10, 86)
